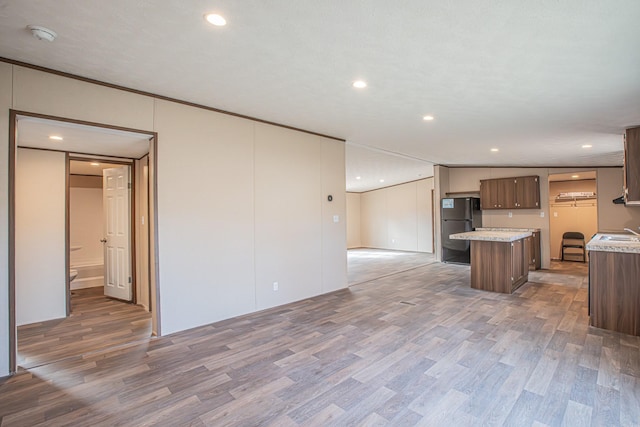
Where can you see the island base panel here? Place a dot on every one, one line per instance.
(499, 266)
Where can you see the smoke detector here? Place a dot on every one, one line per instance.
(42, 33)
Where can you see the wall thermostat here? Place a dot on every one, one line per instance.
(330, 198)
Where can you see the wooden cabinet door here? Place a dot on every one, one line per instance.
(506, 193)
(632, 166)
(536, 250)
(517, 264)
(489, 194)
(527, 191)
(533, 247)
(531, 258)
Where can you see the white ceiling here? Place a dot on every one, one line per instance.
(582, 175)
(85, 167)
(366, 168)
(35, 132)
(536, 79)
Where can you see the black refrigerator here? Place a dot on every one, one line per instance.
(458, 215)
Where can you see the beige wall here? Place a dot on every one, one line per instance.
(614, 217)
(424, 213)
(251, 207)
(353, 221)
(609, 186)
(441, 187)
(269, 226)
(290, 216)
(398, 217)
(334, 222)
(38, 92)
(85, 226)
(580, 216)
(40, 236)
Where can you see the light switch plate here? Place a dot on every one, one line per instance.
(541, 214)
(336, 218)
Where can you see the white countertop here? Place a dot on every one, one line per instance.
(532, 230)
(605, 242)
(491, 235)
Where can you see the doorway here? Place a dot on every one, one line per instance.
(100, 229)
(573, 207)
(53, 139)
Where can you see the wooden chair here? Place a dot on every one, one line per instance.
(574, 240)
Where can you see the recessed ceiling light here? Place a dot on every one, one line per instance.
(358, 177)
(360, 84)
(427, 118)
(382, 180)
(575, 176)
(587, 146)
(495, 150)
(55, 137)
(94, 164)
(215, 19)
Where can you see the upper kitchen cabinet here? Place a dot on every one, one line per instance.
(522, 192)
(632, 167)
(489, 194)
(527, 192)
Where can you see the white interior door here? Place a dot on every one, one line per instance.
(117, 257)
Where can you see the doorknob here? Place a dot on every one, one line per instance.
(103, 240)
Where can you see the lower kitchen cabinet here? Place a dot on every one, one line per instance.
(614, 294)
(534, 251)
(499, 266)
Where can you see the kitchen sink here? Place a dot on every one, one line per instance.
(619, 238)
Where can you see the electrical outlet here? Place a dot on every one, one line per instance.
(275, 286)
(510, 214)
(336, 218)
(555, 214)
(541, 214)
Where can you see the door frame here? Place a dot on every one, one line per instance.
(132, 216)
(154, 301)
(550, 220)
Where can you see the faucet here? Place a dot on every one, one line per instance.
(631, 231)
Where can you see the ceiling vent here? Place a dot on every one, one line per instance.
(42, 33)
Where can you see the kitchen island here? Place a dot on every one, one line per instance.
(499, 259)
(614, 292)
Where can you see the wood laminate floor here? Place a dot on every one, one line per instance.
(365, 265)
(96, 323)
(414, 348)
